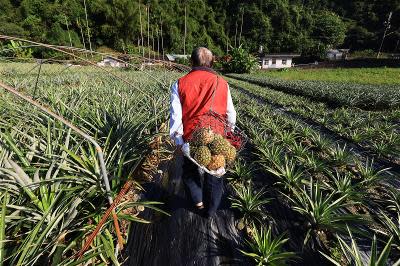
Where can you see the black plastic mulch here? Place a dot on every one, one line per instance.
(186, 237)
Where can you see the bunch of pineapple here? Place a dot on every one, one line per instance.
(211, 150)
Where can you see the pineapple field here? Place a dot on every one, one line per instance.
(324, 176)
(317, 183)
(52, 191)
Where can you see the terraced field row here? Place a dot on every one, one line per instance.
(378, 132)
(308, 188)
(336, 94)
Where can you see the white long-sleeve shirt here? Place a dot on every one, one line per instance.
(176, 126)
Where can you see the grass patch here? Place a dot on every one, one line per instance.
(353, 75)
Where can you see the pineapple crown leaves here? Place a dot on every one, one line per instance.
(289, 173)
(352, 252)
(266, 250)
(323, 210)
(369, 175)
(249, 202)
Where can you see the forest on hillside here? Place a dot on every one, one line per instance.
(303, 26)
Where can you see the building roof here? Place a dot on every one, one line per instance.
(338, 51)
(173, 57)
(286, 55)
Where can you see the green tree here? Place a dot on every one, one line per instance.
(241, 61)
(306, 27)
(329, 30)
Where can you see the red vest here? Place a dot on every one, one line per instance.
(195, 93)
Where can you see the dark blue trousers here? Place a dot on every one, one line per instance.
(209, 191)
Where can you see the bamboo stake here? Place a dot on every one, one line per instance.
(158, 42)
(227, 42)
(162, 43)
(65, 49)
(241, 28)
(236, 33)
(87, 27)
(59, 49)
(148, 28)
(109, 211)
(152, 37)
(69, 34)
(83, 37)
(141, 27)
(37, 78)
(184, 37)
(387, 26)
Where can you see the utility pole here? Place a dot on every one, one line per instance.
(387, 27)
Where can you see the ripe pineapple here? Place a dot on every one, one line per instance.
(202, 155)
(193, 150)
(230, 154)
(203, 136)
(217, 161)
(218, 137)
(219, 145)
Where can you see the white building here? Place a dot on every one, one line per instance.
(268, 61)
(173, 57)
(394, 56)
(111, 62)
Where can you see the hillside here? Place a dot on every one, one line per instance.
(279, 25)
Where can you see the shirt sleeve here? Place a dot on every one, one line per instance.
(176, 126)
(230, 111)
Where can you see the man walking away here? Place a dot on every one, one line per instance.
(192, 97)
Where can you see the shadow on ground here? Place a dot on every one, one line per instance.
(186, 237)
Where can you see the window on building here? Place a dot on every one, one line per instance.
(284, 61)
(274, 61)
